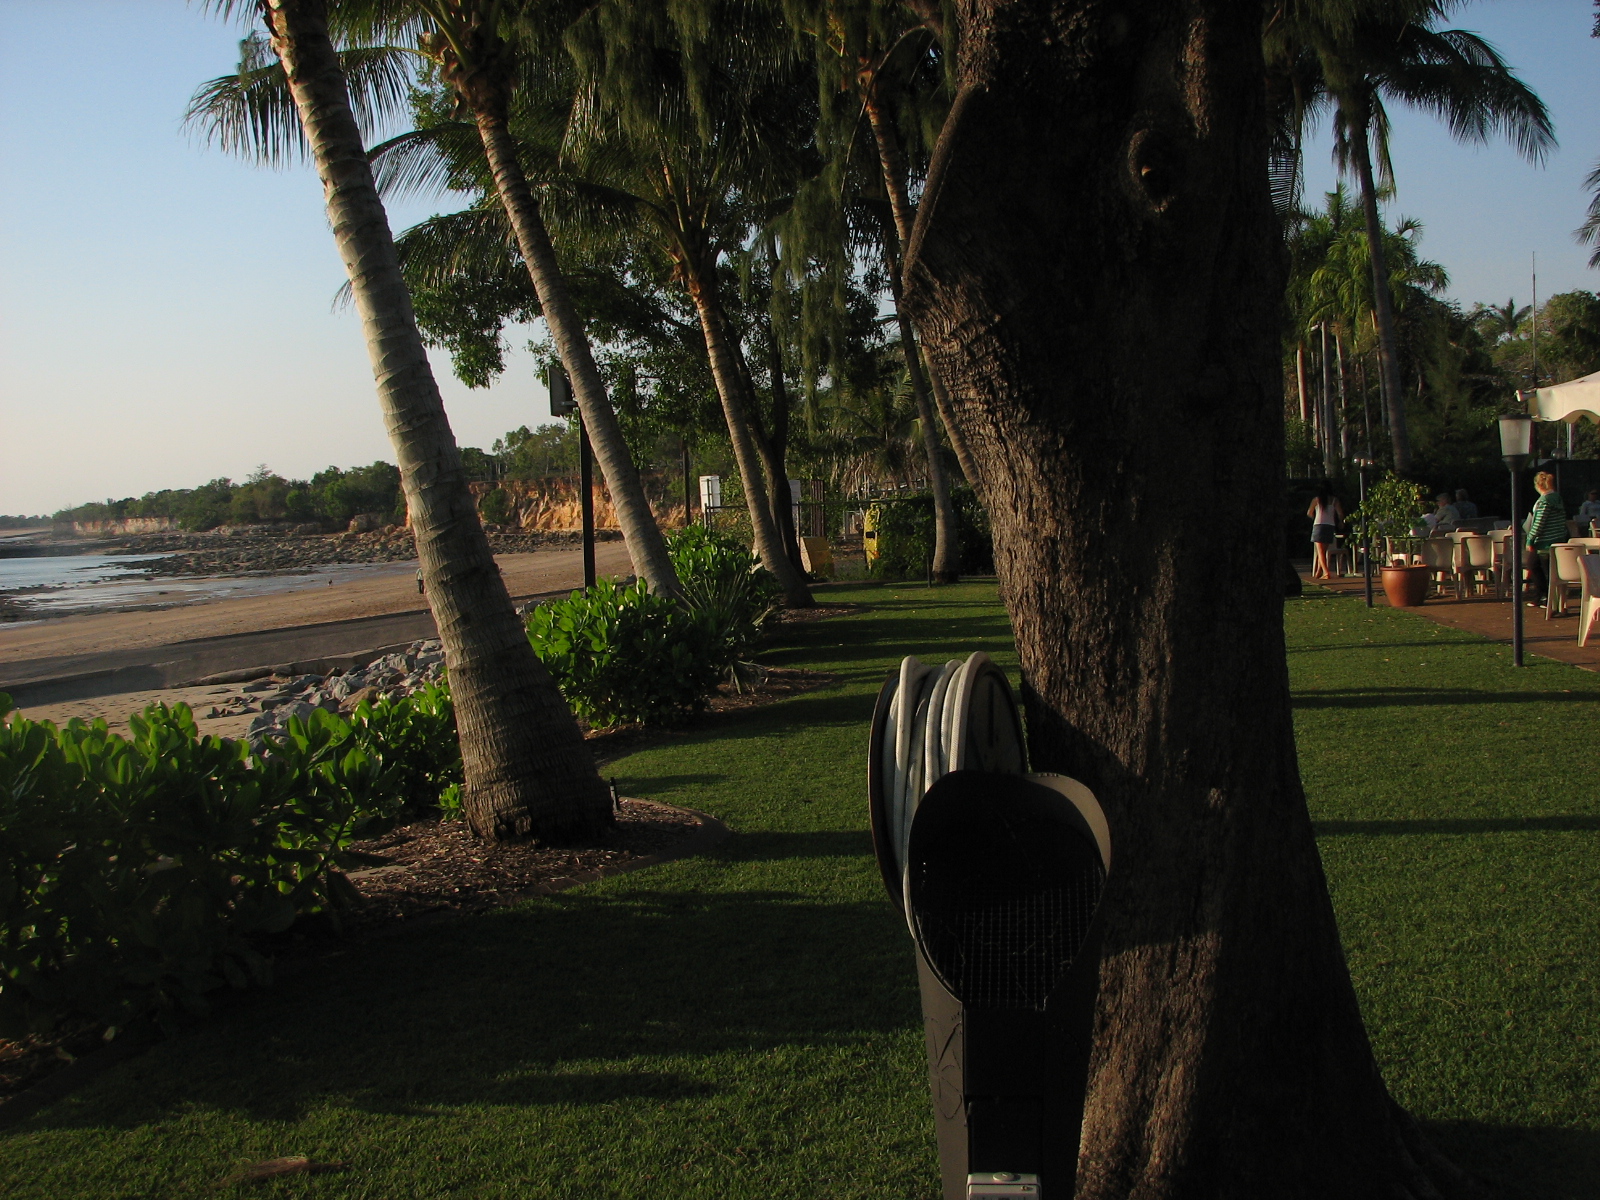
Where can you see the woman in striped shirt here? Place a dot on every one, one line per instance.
(1547, 525)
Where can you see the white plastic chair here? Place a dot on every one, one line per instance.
(1439, 556)
(1564, 573)
(1477, 564)
(1589, 602)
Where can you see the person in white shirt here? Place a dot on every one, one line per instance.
(1446, 517)
(1325, 513)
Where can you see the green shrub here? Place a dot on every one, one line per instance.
(137, 873)
(623, 655)
(495, 507)
(906, 536)
(732, 596)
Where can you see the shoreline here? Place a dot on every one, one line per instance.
(138, 651)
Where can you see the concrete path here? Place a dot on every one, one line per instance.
(1490, 617)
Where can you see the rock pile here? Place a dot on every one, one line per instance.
(277, 698)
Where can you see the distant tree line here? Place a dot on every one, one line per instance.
(329, 497)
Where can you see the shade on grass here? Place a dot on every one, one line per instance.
(745, 1024)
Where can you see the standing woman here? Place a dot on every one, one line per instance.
(1325, 513)
(1547, 525)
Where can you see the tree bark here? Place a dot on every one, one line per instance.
(778, 451)
(1382, 301)
(946, 541)
(526, 768)
(646, 547)
(737, 405)
(946, 548)
(1104, 304)
(1300, 379)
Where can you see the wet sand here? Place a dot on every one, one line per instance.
(316, 603)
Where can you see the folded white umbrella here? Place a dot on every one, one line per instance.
(1570, 401)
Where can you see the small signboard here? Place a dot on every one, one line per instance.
(562, 402)
(711, 492)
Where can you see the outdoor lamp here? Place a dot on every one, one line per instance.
(1516, 448)
(1516, 439)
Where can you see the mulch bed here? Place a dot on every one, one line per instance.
(438, 867)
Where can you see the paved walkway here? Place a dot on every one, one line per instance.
(1489, 617)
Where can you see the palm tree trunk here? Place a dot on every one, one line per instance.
(526, 768)
(1382, 301)
(645, 544)
(946, 541)
(893, 162)
(736, 407)
(778, 449)
(1300, 378)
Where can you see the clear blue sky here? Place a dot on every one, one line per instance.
(165, 310)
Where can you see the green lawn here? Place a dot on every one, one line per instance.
(744, 1025)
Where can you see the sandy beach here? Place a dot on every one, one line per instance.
(347, 617)
(314, 603)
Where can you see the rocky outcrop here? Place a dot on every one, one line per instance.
(116, 528)
(553, 503)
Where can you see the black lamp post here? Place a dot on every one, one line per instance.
(1366, 533)
(1516, 448)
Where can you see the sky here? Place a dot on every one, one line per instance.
(168, 318)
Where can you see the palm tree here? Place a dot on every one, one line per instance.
(856, 44)
(463, 38)
(1365, 53)
(526, 768)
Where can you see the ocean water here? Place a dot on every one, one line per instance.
(99, 582)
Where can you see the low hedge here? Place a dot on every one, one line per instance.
(138, 873)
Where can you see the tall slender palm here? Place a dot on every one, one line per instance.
(699, 144)
(480, 64)
(1368, 52)
(856, 43)
(526, 767)
(464, 39)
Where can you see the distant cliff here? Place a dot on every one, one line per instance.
(552, 503)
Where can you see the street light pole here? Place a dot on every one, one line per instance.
(1516, 448)
(1366, 532)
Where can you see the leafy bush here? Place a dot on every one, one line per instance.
(1393, 506)
(906, 536)
(622, 654)
(495, 507)
(136, 873)
(732, 596)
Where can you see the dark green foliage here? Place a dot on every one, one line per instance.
(136, 873)
(733, 598)
(330, 497)
(905, 536)
(623, 655)
(495, 507)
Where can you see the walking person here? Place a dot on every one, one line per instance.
(1547, 525)
(1325, 512)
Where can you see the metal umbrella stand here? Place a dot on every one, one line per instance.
(999, 874)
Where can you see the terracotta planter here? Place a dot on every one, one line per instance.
(1406, 587)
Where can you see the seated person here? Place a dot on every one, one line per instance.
(1588, 511)
(1465, 507)
(1446, 517)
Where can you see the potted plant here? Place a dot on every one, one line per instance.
(1393, 508)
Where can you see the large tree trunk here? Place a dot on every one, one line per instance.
(646, 546)
(1382, 301)
(526, 767)
(1096, 271)
(737, 404)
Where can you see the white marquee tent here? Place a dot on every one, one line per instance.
(1570, 401)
